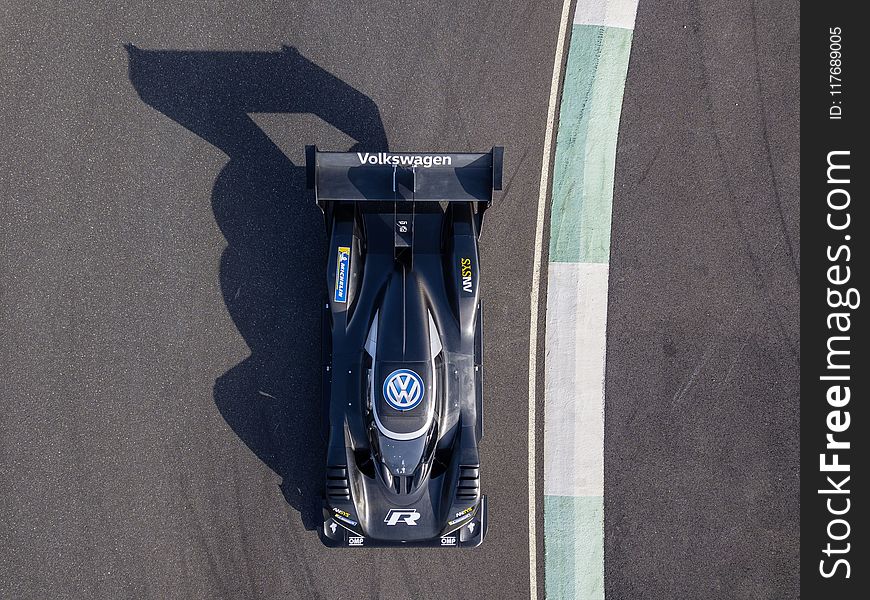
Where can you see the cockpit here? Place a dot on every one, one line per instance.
(405, 384)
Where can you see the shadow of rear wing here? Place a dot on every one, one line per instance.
(403, 176)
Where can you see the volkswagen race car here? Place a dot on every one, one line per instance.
(403, 345)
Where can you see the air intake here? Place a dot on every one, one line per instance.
(337, 485)
(469, 482)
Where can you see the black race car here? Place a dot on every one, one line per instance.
(403, 345)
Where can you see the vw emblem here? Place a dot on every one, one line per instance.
(403, 389)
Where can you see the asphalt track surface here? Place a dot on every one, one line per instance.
(701, 420)
(162, 273)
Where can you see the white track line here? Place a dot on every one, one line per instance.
(535, 295)
(609, 13)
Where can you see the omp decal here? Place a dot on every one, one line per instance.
(341, 272)
(465, 271)
(403, 389)
(405, 516)
(403, 160)
(355, 540)
(448, 540)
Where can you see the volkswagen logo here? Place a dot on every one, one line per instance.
(403, 389)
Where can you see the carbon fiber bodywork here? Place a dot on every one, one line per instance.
(403, 339)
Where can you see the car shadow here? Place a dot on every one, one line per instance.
(272, 270)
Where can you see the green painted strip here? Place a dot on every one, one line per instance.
(580, 233)
(574, 547)
(586, 144)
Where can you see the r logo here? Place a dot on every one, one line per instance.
(406, 516)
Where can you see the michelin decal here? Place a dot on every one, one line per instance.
(341, 272)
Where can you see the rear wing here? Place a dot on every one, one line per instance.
(403, 176)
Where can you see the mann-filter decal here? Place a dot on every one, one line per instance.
(341, 272)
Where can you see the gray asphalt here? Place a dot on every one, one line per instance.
(701, 422)
(162, 276)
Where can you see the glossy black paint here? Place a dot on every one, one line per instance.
(403, 289)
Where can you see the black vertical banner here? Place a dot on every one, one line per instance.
(834, 365)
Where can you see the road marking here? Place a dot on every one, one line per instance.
(574, 379)
(579, 253)
(612, 13)
(574, 430)
(535, 293)
(586, 144)
(575, 547)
